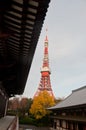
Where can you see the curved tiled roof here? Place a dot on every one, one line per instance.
(20, 26)
(78, 97)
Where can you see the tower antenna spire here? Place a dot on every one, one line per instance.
(46, 30)
(46, 39)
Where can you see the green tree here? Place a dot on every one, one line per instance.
(40, 103)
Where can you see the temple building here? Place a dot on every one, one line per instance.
(21, 22)
(70, 114)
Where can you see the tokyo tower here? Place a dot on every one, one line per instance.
(45, 83)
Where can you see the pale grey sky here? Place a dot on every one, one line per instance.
(66, 23)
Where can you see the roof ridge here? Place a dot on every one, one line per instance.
(84, 87)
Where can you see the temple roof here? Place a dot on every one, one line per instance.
(21, 22)
(77, 98)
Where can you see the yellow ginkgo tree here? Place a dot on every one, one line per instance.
(40, 103)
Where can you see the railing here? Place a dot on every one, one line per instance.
(9, 123)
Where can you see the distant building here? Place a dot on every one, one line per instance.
(70, 114)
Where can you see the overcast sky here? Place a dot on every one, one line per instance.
(66, 23)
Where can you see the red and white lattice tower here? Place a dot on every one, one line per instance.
(45, 83)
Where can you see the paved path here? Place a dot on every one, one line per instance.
(29, 127)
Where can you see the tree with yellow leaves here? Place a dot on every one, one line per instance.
(40, 103)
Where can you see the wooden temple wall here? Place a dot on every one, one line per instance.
(66, 125)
